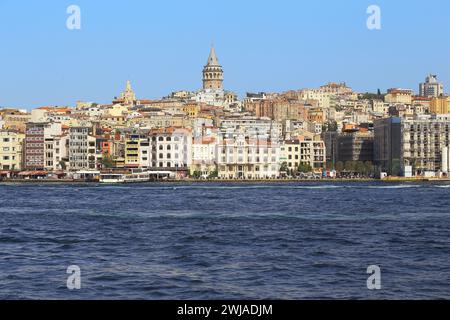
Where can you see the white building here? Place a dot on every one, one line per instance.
(169, 148)
(204, 155)
(248, 157)
(82, 149)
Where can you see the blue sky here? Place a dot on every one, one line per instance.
(161, 46)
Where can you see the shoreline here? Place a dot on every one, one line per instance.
(200, 181)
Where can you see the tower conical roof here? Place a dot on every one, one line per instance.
(212, 60)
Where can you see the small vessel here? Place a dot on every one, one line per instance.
(137, 177)
(112, 178)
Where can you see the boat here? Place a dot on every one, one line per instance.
(112, 178)
(137, 177)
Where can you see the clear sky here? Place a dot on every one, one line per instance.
(161, 46)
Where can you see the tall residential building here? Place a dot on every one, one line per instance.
(82, 149)
(134, 157)
(415, 146)
(431, 87)
(213, 73)
(39, 145)
(11, 150)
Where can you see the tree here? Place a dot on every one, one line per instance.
(304, 168)
(197, 174)
(214, 174)
(369, 168)
(63, 165)
(108, 161)
(339, 166)
(360, 167)
(284, 167)
(350, 166)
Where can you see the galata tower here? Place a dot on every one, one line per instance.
(213, 73)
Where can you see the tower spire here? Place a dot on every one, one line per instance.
(212, 59)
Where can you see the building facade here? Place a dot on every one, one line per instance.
(298, 152)
(11, 150)
(431, 88)
(82, 149)
(355, 146)
(411, 145)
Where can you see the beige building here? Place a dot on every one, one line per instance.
(440, 105)
(306, 151)
(14, 120)
(11, 150)
(399, 96)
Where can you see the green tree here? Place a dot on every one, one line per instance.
(304, 168)
(340, 166)
(108, 161)
(197, 174)
(360, 167)
(369, 168)
(284, 167)
(214, 174)
(350, 166)
(63, 165)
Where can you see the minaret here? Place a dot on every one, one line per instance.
(213, 72)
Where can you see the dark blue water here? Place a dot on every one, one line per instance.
(225, 241)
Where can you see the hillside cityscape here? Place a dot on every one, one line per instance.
(327, 132)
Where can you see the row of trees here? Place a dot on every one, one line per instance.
(302, 168)
(360, 167)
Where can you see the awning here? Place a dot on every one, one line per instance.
(33, 173)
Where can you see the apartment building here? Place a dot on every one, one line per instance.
(440, 105)
(411, 145)
(82, 149)
(39, 146)
(168, 148)
(11, 150)
(306, 151)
